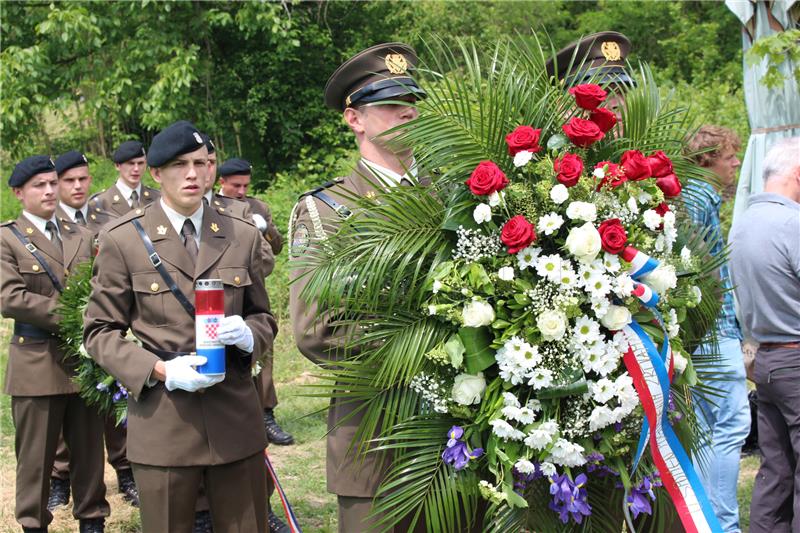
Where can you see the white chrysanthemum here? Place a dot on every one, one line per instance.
(611, 262)
(673, 328)
(567, 278)
(506, 273)
(524, 466)
(549, 266)
(623, 285)
(601, 417)
(598, 285)
(670, 231)
(602, 390)
(510, 412)
(525, 416)
(608, 363)
(586, 330)
(505, 431)
(510, 399)
(534, 405)
(585, 211)
(632, 206)
(652, 220)
(482, 213)
(626, 393)
(620, 342)
(567, 453)
(541, 378)
(522, 158)
(527, 257)
(542, 435)
(529, 357)
(559, 193)
(549, 223)
(600, 307)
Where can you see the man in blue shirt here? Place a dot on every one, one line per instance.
(726, 416)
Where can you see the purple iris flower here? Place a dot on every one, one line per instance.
(457, 453)
(640, 496)
(570, 499)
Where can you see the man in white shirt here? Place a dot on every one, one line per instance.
(128, 193)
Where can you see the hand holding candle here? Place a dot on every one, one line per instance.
(234, 330)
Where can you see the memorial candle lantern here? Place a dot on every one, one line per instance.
(209, 311)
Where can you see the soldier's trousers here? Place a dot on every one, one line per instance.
(115, 437)
(39, 420)
(265, 387)
(775, 507)
(236, 492)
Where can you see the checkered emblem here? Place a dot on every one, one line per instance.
(211, 330)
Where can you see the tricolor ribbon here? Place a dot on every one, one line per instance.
(287, 508)
(651, 370)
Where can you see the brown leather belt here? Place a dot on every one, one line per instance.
(773, 345)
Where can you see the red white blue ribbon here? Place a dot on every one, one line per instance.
(287, 508)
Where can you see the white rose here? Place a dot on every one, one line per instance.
(679, 362)
(559, 193)
(661, 279)
(506, 273)
(468, 389)
(482, 213)
(585, 211)
(552, 324)
(697, 294)
(522, 158)
(616, 317)
(584, 242)
(477, 314)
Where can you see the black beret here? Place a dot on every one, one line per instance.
(174, 140)
(209, 143)
(377, 73)
(127, 151)
(29, 167)
(599, 58)
(235, 166)
(69, 160)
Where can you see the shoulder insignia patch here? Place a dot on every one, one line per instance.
(300, 240)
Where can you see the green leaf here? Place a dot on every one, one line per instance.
(572, 382)
(557, 141)
(478, 348)
(455, 349)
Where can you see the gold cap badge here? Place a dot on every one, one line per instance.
(611, 51)
(396, 63)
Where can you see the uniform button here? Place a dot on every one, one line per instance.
(35, 268)
(237, 280)
(138, 211)
(21, 340)
(154, 287)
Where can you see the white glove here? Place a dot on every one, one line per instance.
(260, 223)
(181, 374)
(233, 330)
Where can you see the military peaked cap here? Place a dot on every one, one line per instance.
(236, 167)
(69, 160)
(127, 151)
(29, 167)
(380, 72)
(599, 57)
(174, 140)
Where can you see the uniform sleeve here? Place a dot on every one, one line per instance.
(273, 234)
(256, 309)
(107, 319)
(17, 301)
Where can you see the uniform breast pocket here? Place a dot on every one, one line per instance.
(36, 279)
(235, 280)
(156, 303)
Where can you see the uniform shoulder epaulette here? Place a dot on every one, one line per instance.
(326, 185)
(222, 210)
(6, 223)
(127, 217)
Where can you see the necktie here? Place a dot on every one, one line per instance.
(188, 239)
(134, 199)
(54, 238)
(79, 218)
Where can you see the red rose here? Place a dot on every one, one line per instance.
(670, 185)
(523, 138)
(612, 236)
(582, 132)
(517, 234)
(662, 208)
(614, 176)
(660, 164)
(569, 169)
(636, 165)
(588, 96)
(604, 119)
(486, 179)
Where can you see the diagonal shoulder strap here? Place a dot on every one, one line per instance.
(156, 261)
(340, 209)
(37, 255)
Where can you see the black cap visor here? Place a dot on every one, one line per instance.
(603, 75)
(385, 90)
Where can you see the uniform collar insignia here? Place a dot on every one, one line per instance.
(162, 230)
(214, 227)
(29, 230)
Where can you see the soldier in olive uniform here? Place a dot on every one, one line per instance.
(128, 193)
(235, 175)
(38, 251)
(74, 181)
(184, 427)
(358, 89)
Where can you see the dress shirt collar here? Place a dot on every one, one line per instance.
(773, 198)
(40, 223)
(126, 191)
(70, 211)
(390, 178)
(208, 196)
(177, 220)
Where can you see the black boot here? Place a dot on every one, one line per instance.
(202, 522)
(92, 525)
(275, 433)
(276, 525)
(127, 486)
(34, 529)
(59, 493)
